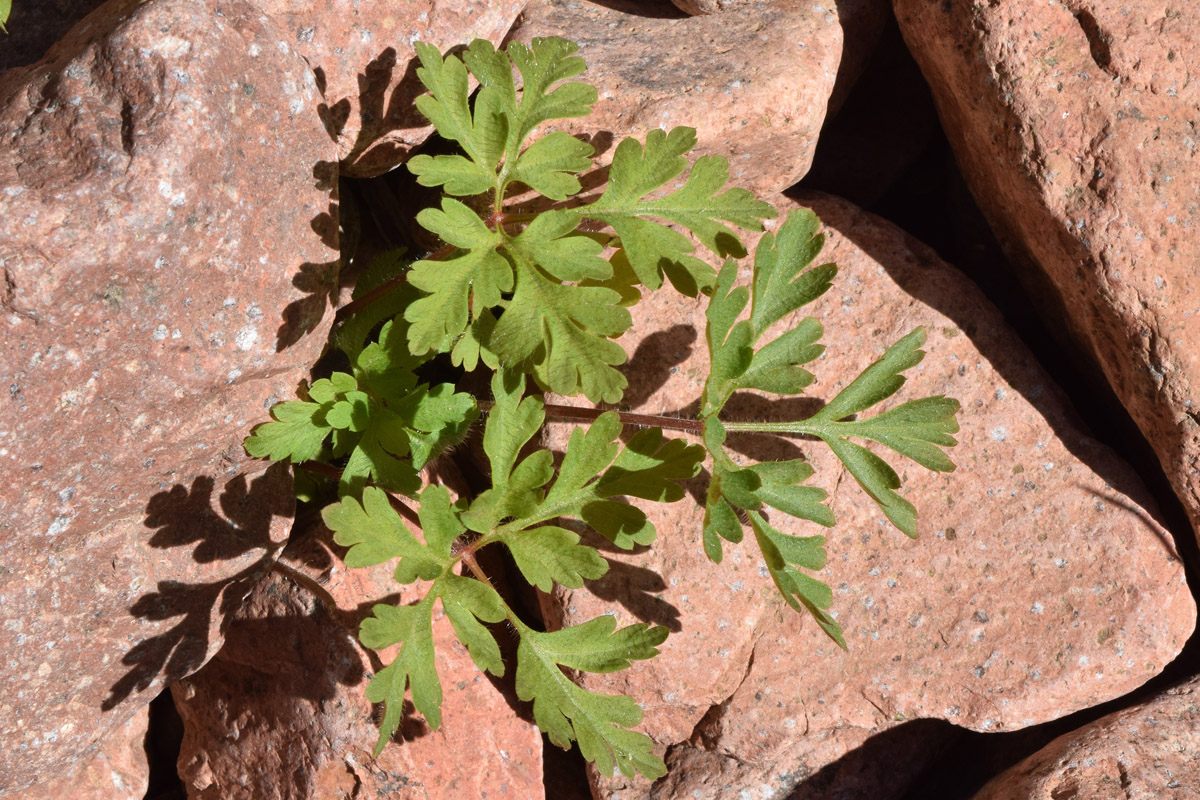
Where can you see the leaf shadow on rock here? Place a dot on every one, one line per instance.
(379, 111)
(240, 531)
(634, 588)
(318, 282)
(292, 640)
(650, 367)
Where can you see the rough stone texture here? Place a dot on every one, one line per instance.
(119, 770)
(754, 84)
(365, 63)
(1075, 125)
(697, 7)
(1146, 752)
(280, 712)
(165, 205)
(1041, 583)
(35, 26)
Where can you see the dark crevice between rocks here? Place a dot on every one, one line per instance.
(886, 151)
(164, 738)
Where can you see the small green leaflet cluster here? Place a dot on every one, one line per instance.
(519, 511)
(784, 282)
(379, 417)
(543, 295)
(546, 299)
(5, 10)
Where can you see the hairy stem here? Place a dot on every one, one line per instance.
(359, 303)
(581, 414)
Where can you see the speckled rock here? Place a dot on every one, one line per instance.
(167, 244)
(119, 770)
(1041, 583)
(289, 682)
(754, 83)
(1150, 751)
(1075, 125)
(365, 63)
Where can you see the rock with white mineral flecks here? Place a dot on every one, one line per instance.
(1145, 751)
(168, 244)
(1040, 584)
(754, 82)
(365, 61)
(1075, 127)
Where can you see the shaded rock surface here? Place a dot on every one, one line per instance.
(364, 58)
(34, 27)
(1041, 584)
(1075, 125)
(280, 711)
(754, 82)
(1146, 752)
(168, 241)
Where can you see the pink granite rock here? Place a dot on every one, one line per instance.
(364, 59)
(754, 82)
(1041, 583)
(1146, 752)
(1075, 125)
(168, 241)
(119, 770)
(280, 712)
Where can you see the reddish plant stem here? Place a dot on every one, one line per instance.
(581, 414)
(330, 471)
(359, 303)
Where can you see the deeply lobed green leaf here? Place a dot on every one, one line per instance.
(566, 712)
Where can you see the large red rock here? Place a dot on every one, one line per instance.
(1145, 751)
(168, 241)
(1041, 583)
(366, 65)
(1075, 126)
(280, 712)
(754, 81)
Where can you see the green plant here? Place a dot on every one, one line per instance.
(540, 297)
(5, 10)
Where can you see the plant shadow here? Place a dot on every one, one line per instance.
(318, 282)
(239, 531)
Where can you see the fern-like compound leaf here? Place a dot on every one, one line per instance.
(916, 429)
(567, 712)
(560, 333)
(413, 668)
(594, 472)
(374, 534)
(783, 281)
(473, 279)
